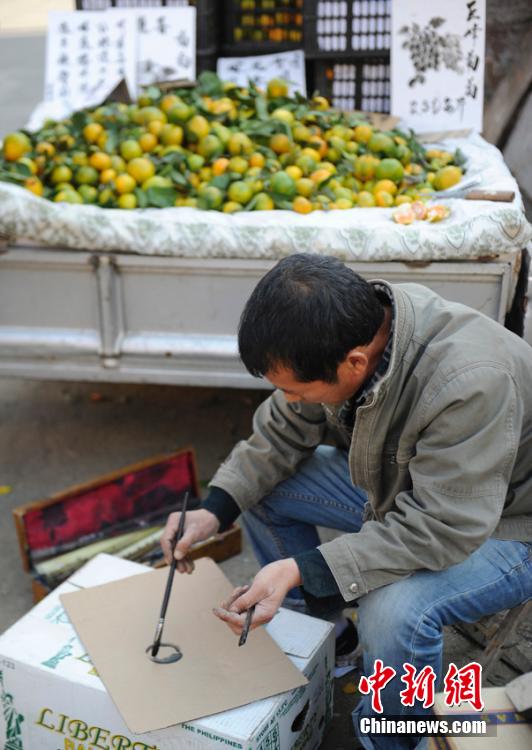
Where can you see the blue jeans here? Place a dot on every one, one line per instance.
(403, 621)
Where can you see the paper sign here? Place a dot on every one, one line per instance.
(87, 54)
(116, 623)
(262, 68)
(437, 65)
(166, 43)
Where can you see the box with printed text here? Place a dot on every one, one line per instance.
(52, 698)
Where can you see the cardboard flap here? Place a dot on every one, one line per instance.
(116, 623)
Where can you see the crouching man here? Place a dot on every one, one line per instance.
(428, 405)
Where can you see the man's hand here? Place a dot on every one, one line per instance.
(199, 525)
(269, 588)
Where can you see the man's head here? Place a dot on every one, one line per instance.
(308, 327)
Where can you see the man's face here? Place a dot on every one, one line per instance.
(351, 374)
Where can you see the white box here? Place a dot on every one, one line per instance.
(52, 698)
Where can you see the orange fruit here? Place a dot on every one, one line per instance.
(363, 132)
(302, 205)
(100, 161)
(34, 185)
(141, 168)
(320, 175)
(210, 197)
(197, 128)
(280, 143)
(284, 115)
(46, 148)
(118, 164)
(264, 202)
(257, 159)
(125, 183)
(305, 186)
(366, 199)
(130, 149)
(282, 183)
(210, 146)
(381, 143)
(107, 175)
(86, 176)
(171, 135)
(148, 141)
(240, 192)
(365, 167)
(180, 113)
(387, 185)
(148, 114)
(390, 169)
(219, 166)
(383, 199)
(239, 143)
(16, 145)
(92, 132)
(446, 177)
(62, 173)
(295, 172)
(231, 207)
(168, 102)
(277, 88)
(127, 200)
(155, 127)
(238, 164)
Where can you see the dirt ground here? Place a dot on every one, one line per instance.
(55, 435)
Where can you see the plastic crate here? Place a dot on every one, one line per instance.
(207, 42)
(255, 27)
(358, 84)
(347, 27)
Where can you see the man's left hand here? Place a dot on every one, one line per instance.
(267, 592)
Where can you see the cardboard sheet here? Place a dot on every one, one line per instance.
(116, 623)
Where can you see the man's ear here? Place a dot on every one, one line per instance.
(356, 362)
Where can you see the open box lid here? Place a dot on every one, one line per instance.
(146, 489)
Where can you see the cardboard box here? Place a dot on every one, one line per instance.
(52, 699)
(132, 498)
(513, 732)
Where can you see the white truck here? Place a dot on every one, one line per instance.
(154, 296)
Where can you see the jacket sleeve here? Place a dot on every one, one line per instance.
(460, 474)
(283, 435)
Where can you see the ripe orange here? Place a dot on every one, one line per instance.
(302, 205)
(100, 161)
(92, 132)
(16, 145)
(141, 168)
(125, 183)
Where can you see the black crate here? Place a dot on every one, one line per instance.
(347, 27)
(206, 19)
(255, 27)
(362, 84)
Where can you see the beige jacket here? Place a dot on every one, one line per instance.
(442, 446)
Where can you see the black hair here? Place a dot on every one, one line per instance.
(306, 314)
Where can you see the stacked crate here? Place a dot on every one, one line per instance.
(207, 23)
(348, 45)
(256, 27)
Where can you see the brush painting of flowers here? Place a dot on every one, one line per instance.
(430, 50)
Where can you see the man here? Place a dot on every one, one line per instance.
(429, 404)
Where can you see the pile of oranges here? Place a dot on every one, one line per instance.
(220, 147)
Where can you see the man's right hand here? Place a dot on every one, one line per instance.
(199, 525)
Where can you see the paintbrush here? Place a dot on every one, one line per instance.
(168, 589)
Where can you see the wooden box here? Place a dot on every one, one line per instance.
(126, 508)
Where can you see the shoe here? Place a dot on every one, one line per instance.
(347, 649)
